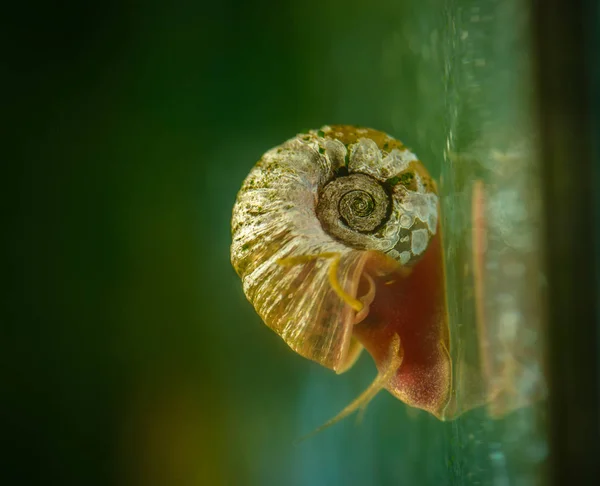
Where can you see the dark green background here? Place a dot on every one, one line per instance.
(133, 356)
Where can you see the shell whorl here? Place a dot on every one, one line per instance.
(354, 192)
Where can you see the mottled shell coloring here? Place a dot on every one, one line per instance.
(322, 225)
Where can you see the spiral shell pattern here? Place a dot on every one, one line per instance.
(353, 192)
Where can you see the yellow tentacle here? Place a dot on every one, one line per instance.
(332, 274)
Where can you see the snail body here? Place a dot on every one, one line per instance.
(335, 236)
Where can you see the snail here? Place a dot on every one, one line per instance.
(336, 239)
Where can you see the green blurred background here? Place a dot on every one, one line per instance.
(134, 357)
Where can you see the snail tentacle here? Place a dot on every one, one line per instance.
(393, 362)
(357, 305)
(366, 299)
(337, 287)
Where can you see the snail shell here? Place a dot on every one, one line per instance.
(322, 225)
